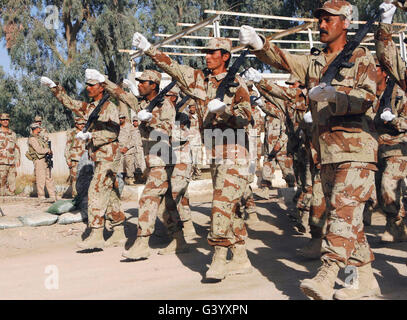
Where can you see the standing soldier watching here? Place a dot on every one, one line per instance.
(9, 157)
(103, 147)
(37, 150)
(229, 166)
(347, 146)
(74, 150)
(127, 148)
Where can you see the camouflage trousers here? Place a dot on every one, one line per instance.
(227, 225)
(156, 201)
(73, 172)
(104, 196)
(8, 175)
(43, 178)
(318, 214)
(282, 160)
(347, 187)
(393, 186)
(128, 165)
(304, 181)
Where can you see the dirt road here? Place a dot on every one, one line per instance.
(43, 263)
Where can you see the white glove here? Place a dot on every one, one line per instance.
(47, 82)
(260, 102)
(133, 88)
(308, 117)
(387, 115)
(249, 37)
(92, 74)
(83, 136)
(389, 10)
(253, 75)
(216, 106)
(140, 42)
(323, 93)
(144, 115)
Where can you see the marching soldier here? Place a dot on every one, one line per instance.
(229, 166)
(9, 157)
(37, 150)
(127, 148)
(156, 130)
(347, 145)
(103, 147)
(74, 150)
(139, 162)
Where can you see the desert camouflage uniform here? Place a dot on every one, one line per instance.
(346, 144)
(128, 139)
(73, 152)
(140, 162)
(103, 148)
(37, 149)
(230, 176)
(9, 157)
(196, 145)
(158, 157)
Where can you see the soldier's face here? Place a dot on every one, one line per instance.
(94, 90)
(381, 75)
(192, 109)
(5, 123)
(122, 120)
(135, 123)
(80, 126)
(215, 59)
(145, 87)
(331, 27)
(37, 131)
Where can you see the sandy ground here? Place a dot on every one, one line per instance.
(44, 263)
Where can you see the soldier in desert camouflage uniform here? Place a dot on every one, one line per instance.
(9, 157)
(127, 148)
(103, 147)
(74, 150)
(346, 145)
(156, 130)
(229, 167)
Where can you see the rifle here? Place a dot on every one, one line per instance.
(95, 113)
(180, 116)
(385, 102)
(342, 59)
(48, 159)
(160, 97)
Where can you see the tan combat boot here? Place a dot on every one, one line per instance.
(94, 241)
(396, 231)
(177, 245)
(139, 250)
(367, 285)
(240, 263)
(321, 287)
(217, 270)
(312, 250)
(117, 239)
(189, 229)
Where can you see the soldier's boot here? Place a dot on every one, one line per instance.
(189, 229)
(321, 287)
(177, 245)
(396, 231)
(301, 225)
(367, 285)
(218, 270)
(139, 250)
(252, 218)
(94, 241)
(117, 239)
(240, 263)
(312, 250)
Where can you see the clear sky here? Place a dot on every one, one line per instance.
(4, 58)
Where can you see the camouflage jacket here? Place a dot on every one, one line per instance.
(202, 88)
(128, 138)
(155, 134)
(258, 121)
(104, 145)
(393, 135)
(9, 150)
(389, 56)
(343, 130)
(37, 147)
(74, 148)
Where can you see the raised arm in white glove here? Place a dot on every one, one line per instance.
(387, 115)
(389, 10)
(133, 88)
(83, 136)
(323, 93)
(144, 115)
(92, 74)
(249, 37)
(47, 82)
(253, 75)
(308, 117)
(140, 42)
(216, 106)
